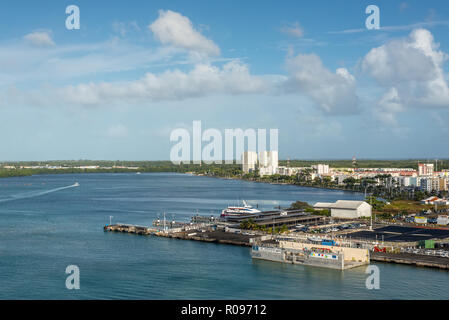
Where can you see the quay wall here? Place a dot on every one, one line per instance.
(350, 254)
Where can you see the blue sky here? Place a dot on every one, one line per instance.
(134, 72)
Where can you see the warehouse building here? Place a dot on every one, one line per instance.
(351, 209)
(346, 209)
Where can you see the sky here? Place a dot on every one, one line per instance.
(134, 71)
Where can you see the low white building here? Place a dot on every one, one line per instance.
(322, 205)
(288, 171)
(350, 209)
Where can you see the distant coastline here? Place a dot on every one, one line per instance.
(280, 183)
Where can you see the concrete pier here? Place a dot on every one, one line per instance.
(239, 239)
(216, 236)
(411, 259)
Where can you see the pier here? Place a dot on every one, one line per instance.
(219, 233)
(411, 259)
(195, 232)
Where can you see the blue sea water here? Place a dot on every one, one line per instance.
(47, 224)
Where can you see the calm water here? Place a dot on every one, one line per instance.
(44, 227)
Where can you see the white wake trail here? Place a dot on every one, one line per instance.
(34, 194)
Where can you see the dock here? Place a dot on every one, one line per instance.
(411, 259)
(217, 236)
(205, 235)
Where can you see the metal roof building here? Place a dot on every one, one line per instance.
(350, 209)
(322, 205)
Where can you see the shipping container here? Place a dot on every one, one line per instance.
(328, 242)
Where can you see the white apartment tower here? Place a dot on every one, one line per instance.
(321, 168)
(249, 161)
(425, 169)
(268, 163)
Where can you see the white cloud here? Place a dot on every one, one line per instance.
(411, 70)
(172, 28)
(293, 29)
(39, 38)
(389, 104)
(333, 93)
(426, 24)
(203, 80)
(20, 63)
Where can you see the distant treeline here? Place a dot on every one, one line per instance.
(211, 169)
(143, 166)
(168, 165)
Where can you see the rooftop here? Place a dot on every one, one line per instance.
(347, 204)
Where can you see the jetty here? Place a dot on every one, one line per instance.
(197, 232)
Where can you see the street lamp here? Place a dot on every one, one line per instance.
(371, 215)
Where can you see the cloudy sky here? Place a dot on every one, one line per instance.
(118, 86)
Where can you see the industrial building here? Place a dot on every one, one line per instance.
(322, 205)
(346, 209)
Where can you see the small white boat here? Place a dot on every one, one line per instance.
(76, 184)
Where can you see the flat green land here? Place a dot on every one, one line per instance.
(402, 207)
(223, 170)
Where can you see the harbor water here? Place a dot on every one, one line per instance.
(47, 223)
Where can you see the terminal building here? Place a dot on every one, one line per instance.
(278, 218)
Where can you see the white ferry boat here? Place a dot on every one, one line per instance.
(238, 211)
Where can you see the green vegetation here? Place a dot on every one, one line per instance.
(5, 173)
(113, 167)
(249, 224)
(399, 208)
(301, 205)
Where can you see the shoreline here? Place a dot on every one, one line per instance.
(142, 170)
(277, 183)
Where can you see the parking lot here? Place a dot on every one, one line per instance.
(402, 234)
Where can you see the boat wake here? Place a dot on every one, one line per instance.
(34, 194)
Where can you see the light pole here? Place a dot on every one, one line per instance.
(110, 220)
(371, 215)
